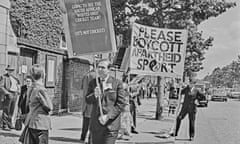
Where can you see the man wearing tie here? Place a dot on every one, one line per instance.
(104, 128)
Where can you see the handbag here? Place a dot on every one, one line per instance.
(18, 124)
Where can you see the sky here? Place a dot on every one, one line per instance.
(226, 45)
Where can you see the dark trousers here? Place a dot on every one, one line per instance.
(85, 127)
(104, 136)
(133, 112)
(8, 109)
(191, 115)
(38, 136)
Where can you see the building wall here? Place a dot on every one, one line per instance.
(76, 69)
(56, 89)
(54, 92)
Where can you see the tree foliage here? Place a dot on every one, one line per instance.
(175, 14)
(38, 21)
(226, 76)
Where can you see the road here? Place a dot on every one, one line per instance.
(219, 123)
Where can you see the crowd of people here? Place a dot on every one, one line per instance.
(109, 109)
(30, 103)
(109, 106)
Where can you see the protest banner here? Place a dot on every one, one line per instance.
(88, 26)
(157, 51)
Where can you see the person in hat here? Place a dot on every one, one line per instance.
(9, 89)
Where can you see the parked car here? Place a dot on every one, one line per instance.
(235, 95)
(219, 94)
(203, 101)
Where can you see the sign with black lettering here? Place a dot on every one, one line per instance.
(89, 27)
(156, 51)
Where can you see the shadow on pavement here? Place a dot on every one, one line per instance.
(182, 139)
(145, 116)
(155, 133)
(71, 129)
(6, 134)
(172, 142)
(63, 114)
(167, 120)
(63, 139)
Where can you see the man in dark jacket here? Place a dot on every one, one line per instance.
(86, 108)
(9, 89)
(104, 128)
(22, 102)
(191, 98)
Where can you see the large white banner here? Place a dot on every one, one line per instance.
(157, 51)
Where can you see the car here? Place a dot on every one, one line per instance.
(219, 98)
(203, 101)
(219, 94)
(235, 95)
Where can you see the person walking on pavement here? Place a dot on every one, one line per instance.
(9, 89)
(104, 128)
(22, 103)
(87, 108)
(38, 122)
(191, 98)
(134, 101)
(126, 117)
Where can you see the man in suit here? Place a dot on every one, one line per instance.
(9, 89)
(104, 128)
(86, 108)
(38, 121)
(191, 98)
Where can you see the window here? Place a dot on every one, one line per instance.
(51, 62)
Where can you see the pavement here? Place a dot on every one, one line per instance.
(66, 128)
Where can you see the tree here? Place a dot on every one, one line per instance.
(226, 76)
(176, 14)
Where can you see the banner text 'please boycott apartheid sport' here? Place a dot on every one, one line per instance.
(156, 51)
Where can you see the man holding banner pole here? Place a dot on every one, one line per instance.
(190, 102)
(108, 102)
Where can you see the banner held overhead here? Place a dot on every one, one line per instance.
(157, 51)
(89, 27)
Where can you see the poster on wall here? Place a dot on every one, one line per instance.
(88, 26)
(157, 51)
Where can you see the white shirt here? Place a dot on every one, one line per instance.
(105, 84)
(14, 84)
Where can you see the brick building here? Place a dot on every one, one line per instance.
(63, 75)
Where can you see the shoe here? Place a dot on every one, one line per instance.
(120, 136)
(82, 141)
(173, 135)
(191, 138)
(5, 128)
(10, 127)
(134, 131)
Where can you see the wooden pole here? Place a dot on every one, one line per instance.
(158, 108)
(98, 85)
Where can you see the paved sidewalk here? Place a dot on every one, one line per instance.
(67, 128)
